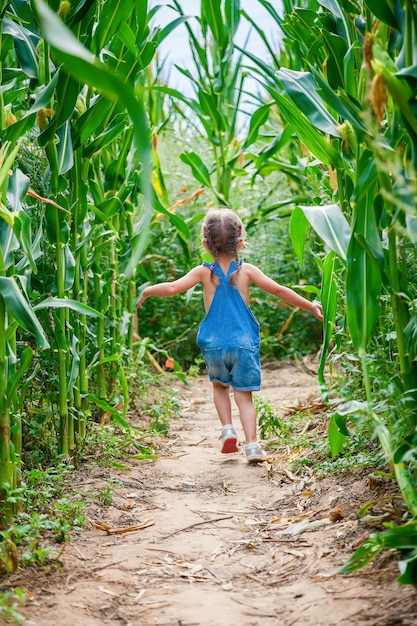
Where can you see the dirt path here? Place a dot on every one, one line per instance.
(221, 542)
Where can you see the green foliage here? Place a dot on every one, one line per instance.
(173, 324)
(10, 603)
(269, 423)
(105, 496)
(49, 519)
(402, 539)
(326, 164)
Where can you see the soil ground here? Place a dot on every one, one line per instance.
(222, 543)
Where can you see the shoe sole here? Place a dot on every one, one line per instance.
(229, 446)
(253, 461)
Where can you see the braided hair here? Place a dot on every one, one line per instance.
(222, 231)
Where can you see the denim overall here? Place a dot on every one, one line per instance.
(228, 336)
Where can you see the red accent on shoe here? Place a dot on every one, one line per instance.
(229, 446)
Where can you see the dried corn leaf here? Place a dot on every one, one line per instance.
(119, 531)
(300, 527)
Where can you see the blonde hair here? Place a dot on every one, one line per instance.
(222, 231)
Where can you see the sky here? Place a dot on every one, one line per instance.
(175, 47)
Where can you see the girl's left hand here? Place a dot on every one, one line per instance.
(317, 311)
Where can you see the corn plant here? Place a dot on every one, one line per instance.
(218, 82)
(349, 101)
(71, 99)
(16, 313)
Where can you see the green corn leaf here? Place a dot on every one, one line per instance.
(336, 438)
(349, 69)
(113, 358)
(366, 175)
(337, 49)
(44, 94)
(43, 98)
(17, 189)
(275, 146)
(199, 169)
(331, 225)
(66, 96)
(64, 149)
(106, 406)
(102, 217)
(232, 16)
(146, 54)
(353, 410)
(175, 219)
(111, 132)
(269, 6)
(25, 45)
(21, 310)
(67, 92)
(69, 268)
(79, 62)
(111, 207)
(7, 158)
(299, 225)
(211, 13)
(200, 57)
(258, 119)
(339, 103)
(408, 567)
(307, 133)
(400, 537)
(167, 30)
(113, 14)
(364, 277)
(9, 243)
(23, 231)
(13, 132)
(386, 11)
(13, 382)
(127, 37)
(363, 555)
(89, 121)
(74, 367)
(142, 17)
(174, 93)
(303, 90)
(209, 107)
(125, 389)
(59, 303)
(328, 299)
(265, 68)
(3, 5)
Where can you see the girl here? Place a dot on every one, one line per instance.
(228, 336)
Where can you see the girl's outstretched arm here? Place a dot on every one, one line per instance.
(175, 287)
(284, 293)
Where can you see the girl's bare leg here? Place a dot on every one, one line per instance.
(247, 414)
(222, 403)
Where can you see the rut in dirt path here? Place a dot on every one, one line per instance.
(219, 542)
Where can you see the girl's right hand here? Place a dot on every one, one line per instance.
(142, 299)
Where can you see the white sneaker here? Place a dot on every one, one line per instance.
(254, 453)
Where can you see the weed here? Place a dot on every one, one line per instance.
(105, 496)
(10, 602)
(268, 420)
(49, 518)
